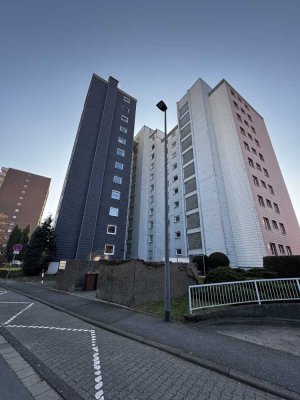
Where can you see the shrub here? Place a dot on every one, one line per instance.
(218, 259)
(260, 273)
(14, 272)
(202, 262)
(284, 266)
(225, 274)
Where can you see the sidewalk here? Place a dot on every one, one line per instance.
(268, 369)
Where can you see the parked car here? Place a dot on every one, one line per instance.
(17, 263)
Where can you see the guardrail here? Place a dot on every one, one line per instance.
(243, 292)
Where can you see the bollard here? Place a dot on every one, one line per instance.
(43, 273)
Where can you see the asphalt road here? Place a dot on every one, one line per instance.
(82, 361)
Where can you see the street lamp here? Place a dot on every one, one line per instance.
(162, 106)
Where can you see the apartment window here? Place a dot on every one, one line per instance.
(282, 228)
(109, 249)
(247, 107)
(151, 199)
(261, 201)
(21, 198)
(250, 118)
(121, 152)
(23, 191)
(173, 145)
(261, 157)
(152, 176)
(281, 249)
(276, 208)
(121, 140)
(151, 211)
(246, 145)
(151, 166)
(14, 216)
(263, 184)
(239, 117)
(289, 250)
(271, 190)
(266, 172)
(273, 249)
(25, 186)
(274, 224)
(111, 229)
(253, 129)
(19, 204)
(246, 122)
(152, 156)
(258, 166)
(123, 129)
(125, 109)
(12, 223)
(150, 238)
(250, 136)
(174, 154)
(240, 99)
(232, 92)
(153, 147)
(117, 179)
(253, 151)
(175, 191)
(174, 166)
(267, 223)
(115, 194)
(113, 211)
(177, 235)
(236, 105)
(242, 131)
(16, 210)
(251, 163)
(119, 165)
(151, 188)
(177, 218)
(150, 225)
(176, 204)
(27, 180)
(126, 99)
(178, 252)
(4, 245)
(269, 204)
(243, 111)
(175, 178)
(257, 143)
(124, 118)
(255, 180)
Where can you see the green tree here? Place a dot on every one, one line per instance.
(24, 239)
(14, 238)
(40, 249)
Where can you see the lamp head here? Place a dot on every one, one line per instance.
(162, 106)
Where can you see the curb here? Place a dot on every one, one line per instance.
(190, 357)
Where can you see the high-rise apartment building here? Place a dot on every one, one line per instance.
(226, 190)
(92, 214)
(23, 197)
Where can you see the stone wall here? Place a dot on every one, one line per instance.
(135, 283)
(73, 276)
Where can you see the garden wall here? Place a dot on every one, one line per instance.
(73, 276)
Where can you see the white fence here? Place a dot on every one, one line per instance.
(242, 292)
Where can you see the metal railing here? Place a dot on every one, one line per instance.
(243, 292)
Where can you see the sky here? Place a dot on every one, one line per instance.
(49, 50)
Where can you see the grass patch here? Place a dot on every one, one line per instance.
(179, 307)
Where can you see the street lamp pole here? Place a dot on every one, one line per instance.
(162, 106)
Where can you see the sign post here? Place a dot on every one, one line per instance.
(16, 250)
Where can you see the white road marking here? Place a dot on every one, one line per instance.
(14, 302)
(19, 313)
(2, 293)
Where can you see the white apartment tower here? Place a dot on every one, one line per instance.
(226, 190)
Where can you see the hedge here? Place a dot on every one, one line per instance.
(226, 274)
(14, 272)
(284, 266)
(218, 259)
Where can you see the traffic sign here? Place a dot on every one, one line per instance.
(18, 247)
(16, 252)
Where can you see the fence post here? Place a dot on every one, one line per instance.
(190, 301)
(257, 293)
(298, 283)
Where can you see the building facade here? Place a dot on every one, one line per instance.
(92, 213)
(226, 190)
(23, 196)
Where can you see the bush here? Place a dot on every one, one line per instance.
(14, 272)
(202, 262)
(284, 266)
(260, 273)
(218, 259)
(225, 274)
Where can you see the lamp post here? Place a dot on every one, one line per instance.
(162, 106)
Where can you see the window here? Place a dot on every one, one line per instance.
(125, 109)
(150, 238)
(151, 211)
(255, 180)
(246, 145)
(177, 235)
(117, 179)
(151, 199)
(236, 105)
(282, 228)
(153, 147)
(152, 176)
(115, 194)
(176, 204)
(246, 122)
(123, 129)
(150, 224)
(177, 218)
(124, 118)
(247, 107)
(174, 166)
(253, 129)
(276, 208)
(274, 224)
(253, 151)
(23, 191)
(263, 184)
(267, 223)
(269, 204)
(151, 187)
(119, 165)
(261, 157)
(27, 180)
(152, 166)
(273, 249)
(260, 201)
(111, 229)
(175, 178)
(152, 156)
(25, 186)
(113, 211)
(21, 198)
(173, 145)
(251, 163)
(109, 249)
(258, 166)
(175, 191)
(250, 118)
(121, 152)
(243, 111)
(18, 204)
(232, 92)
(14, 216)
(257, 143)
(288, 250)
(281, 249)
(250, 136)
(16, 210)
(121, 140)
(271, 190)
(178, 252)
(242, 131)
(174, 154)
(126, 99)
(266, 172)
(239, 117)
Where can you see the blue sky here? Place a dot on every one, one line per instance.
(156, 49)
